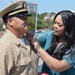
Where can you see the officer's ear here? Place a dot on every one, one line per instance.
(10, 21)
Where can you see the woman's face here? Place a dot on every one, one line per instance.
(59, 28)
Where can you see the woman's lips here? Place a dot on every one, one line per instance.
(55, 31)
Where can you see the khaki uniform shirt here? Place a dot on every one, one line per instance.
(16, 58)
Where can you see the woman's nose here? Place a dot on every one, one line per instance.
(56, 25)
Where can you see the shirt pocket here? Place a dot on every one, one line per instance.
(23, 61)
(21, 66)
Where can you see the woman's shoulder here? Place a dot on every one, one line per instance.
(49, 32)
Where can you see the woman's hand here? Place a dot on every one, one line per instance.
(36, 44)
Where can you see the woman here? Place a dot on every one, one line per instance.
(59, 57)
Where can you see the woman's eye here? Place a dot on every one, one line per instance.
(60, 25)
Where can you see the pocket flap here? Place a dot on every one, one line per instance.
(24, 61)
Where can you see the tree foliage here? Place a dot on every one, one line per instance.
(41, 16)
(40, 21)
(31, 23)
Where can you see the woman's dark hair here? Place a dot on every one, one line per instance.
(68, 19)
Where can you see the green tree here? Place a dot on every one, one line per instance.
(31, 23)
(52, 13)
(40, 22)
(41, 16)
(49, 23)
(33, 14)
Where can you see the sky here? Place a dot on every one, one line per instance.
(46, 5)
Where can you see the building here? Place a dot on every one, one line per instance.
(32, 7)
(49, 16)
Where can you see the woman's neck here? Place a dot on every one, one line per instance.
(61, 39)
